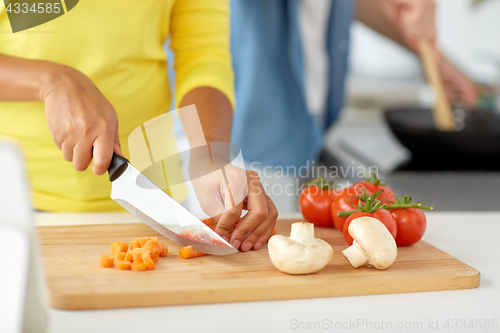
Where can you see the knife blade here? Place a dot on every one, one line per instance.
(150, 204)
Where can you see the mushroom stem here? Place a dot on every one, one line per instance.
(302, 232)
(355, 255)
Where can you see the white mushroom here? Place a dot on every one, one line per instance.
(300, 253)
(373, 243)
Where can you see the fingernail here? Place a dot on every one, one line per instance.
(258, 245)
(246, 246)
(236, 243)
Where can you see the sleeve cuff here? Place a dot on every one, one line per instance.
(213, 73)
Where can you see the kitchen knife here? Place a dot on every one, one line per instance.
(141, 197)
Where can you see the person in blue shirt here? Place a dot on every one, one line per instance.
(290, 62)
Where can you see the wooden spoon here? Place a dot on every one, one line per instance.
(443, 116)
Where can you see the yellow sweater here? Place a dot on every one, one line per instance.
(118, 45)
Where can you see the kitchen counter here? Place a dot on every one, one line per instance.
(470, 237)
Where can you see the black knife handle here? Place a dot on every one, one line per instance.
(117, 167)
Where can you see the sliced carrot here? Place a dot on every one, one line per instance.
(134, 244)
(210, 223)
(122, 265)
(189, 252)
(142, 240)
(120, 255)
(155, 258)
(118, 247)
(106, 260)
(189, 234)
(203, 237)
(146, 258)
(137, 254)
(138, 267)
(164, 250)
(153, 238)
(129, 256)
(274, 232)
(152, 246)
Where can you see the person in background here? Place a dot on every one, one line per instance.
(290, 62)
(74, 88)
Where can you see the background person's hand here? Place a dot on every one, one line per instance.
(245, 191)
(415, 19)
(458, 86)
(84, 125)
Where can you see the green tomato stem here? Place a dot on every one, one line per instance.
(322, 184)
(371, 205)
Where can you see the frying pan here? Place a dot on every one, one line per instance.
(474, 145)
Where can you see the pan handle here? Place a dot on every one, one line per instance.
(117, 167)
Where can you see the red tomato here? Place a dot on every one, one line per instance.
(315, 204)
(344, 200)
(411, 225)
(382, 215)
(386, 196)
(343, 203)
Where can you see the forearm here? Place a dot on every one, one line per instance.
(371, 13)
(24, 79)
(215, 115)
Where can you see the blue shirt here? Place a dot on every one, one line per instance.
(271, 123)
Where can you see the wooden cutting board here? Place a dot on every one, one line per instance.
(76, 282)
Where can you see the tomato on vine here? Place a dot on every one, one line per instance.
(374, 185)
(344, 203)
(404, 219)
(349, 197)
(411, 223)
(315, 202)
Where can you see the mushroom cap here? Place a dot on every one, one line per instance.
(294, 257)
(375, 241)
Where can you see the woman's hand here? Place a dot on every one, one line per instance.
(224, 202)
(83, 123)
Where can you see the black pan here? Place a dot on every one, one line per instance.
(475, 145)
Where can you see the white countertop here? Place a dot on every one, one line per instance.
(470, 237)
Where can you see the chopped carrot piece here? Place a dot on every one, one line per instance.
(142, 240)
(129, 256)
(155, 258)
(210, 223)
(138, 267)
(137, 255)
(153, 238)
(106, 261)
(146, 258)
(216, 242)
(189, 252)
(134, 244)
(164, 250)
(118, 247)
(152, 246)
(274, 232)
(202, 237)
(187, 234)
(120, 255)
(122, 265)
